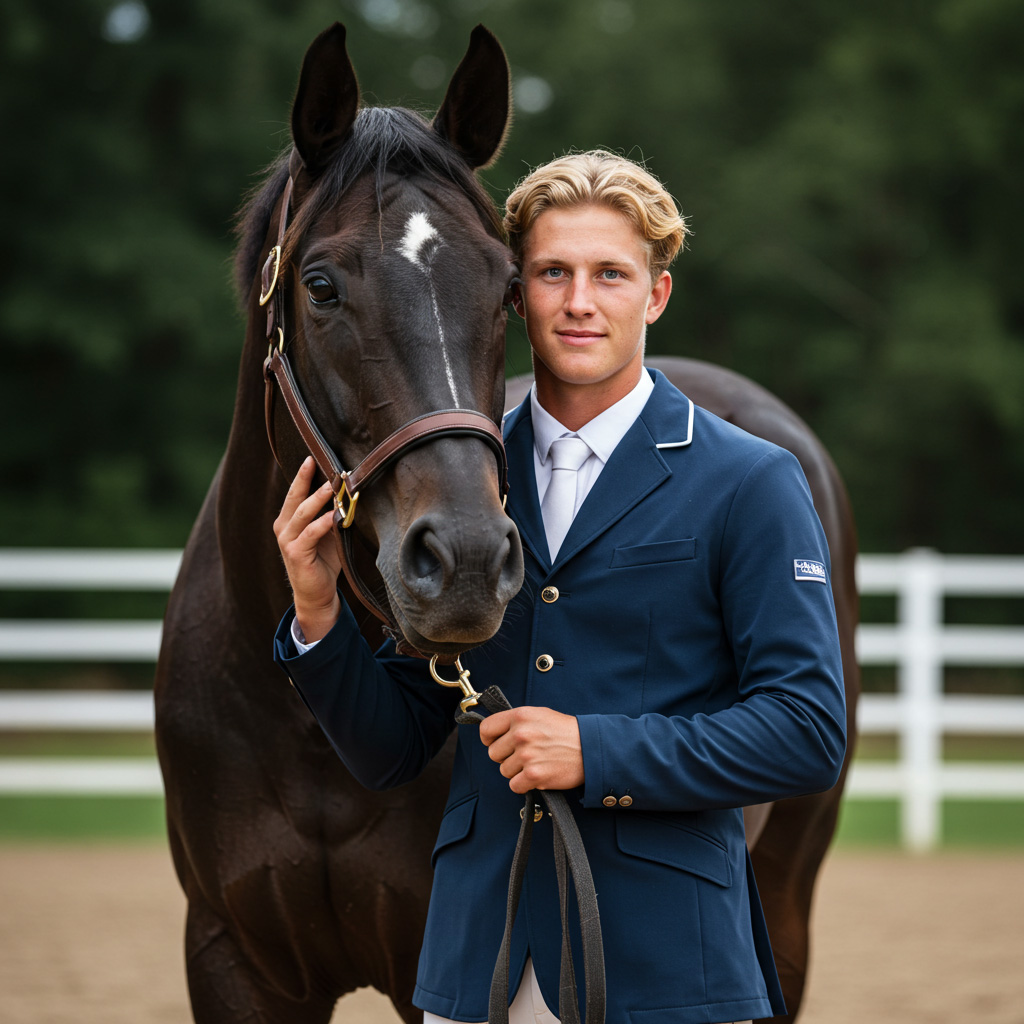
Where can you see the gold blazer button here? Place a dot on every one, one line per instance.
(626, 801)
(544, 662)
(609, 801)
(549, 595)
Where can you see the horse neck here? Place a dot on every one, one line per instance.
(250, 492)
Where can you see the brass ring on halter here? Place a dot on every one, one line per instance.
(275, 255)
(469, 695)
(347, 517)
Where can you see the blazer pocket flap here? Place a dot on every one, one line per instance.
(455, 825)
(650, 554)
(675, 845)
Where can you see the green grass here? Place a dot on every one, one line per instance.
(885, 747)
(868, 823)
(863, 822)
(35, 817)
(77, 744)
(965, 823)
(68, 818)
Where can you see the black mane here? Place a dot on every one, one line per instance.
(383, 140)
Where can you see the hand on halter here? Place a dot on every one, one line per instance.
(309, 546)
(537, 748)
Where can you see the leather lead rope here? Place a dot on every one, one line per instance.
(570, 860)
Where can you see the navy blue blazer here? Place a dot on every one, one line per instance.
(688, 623)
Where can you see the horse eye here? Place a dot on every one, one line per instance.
(511, 291)
(321, 291)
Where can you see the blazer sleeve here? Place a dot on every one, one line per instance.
(383, 714)
(785, 733)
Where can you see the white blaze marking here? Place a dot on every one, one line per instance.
(419, 231)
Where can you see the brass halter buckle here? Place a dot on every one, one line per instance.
(347, 515)
(469, 695)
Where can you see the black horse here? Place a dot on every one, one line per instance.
(301, 885)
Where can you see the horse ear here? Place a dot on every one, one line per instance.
(477, 108)
(326, 101)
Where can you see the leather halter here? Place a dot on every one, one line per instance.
(348, 484)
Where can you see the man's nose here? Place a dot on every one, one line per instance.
(580, 297)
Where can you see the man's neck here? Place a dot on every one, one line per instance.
(575, 405)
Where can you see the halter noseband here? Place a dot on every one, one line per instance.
(348, 484)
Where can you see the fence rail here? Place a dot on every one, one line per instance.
(919, 643)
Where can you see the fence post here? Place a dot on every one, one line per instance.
(920, 683)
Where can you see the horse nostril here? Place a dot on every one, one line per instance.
(507, 568)
(425, 561)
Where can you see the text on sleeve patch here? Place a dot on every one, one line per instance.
(805, 569)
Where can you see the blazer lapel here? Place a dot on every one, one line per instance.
(635, 468)
(523, 502)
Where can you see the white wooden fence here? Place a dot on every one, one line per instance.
(919, 643)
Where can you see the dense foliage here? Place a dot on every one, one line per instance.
(849, 172)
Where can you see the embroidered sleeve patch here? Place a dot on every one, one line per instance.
(805, 569)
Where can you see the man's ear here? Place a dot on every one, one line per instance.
(517, 301)
(658, 300)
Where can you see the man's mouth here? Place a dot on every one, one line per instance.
(578, 337)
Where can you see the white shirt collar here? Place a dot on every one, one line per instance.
(602, 433)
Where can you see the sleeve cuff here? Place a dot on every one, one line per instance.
(299, 640)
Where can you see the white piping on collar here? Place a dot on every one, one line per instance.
(689, 433)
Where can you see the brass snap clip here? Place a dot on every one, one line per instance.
(469, 695)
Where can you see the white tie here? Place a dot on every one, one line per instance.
(559, 505)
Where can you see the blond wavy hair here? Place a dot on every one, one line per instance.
(599, 176)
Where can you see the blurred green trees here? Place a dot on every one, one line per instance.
(849, 171)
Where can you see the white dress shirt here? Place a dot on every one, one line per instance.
(602, 434)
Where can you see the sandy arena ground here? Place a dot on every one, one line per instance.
(91, 934)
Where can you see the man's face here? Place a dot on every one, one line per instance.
(587, 297)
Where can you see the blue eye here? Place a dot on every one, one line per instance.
(553, 272)
(610, 275)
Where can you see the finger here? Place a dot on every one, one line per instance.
(519, 784)
(309, 508)
(304, 513)
(494, 726)
(318, 529)
(501, 749)
(297, 490)
(304, 548)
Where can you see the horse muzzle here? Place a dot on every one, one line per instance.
(455, 576)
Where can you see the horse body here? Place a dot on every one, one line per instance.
(301, 885)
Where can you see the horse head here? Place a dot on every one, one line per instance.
(391, 305)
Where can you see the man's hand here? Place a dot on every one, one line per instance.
(537, 748)
(309, 546)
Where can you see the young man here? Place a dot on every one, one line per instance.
(666, 663)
